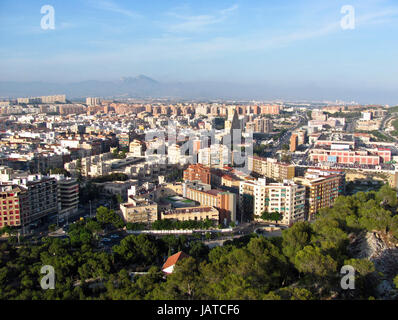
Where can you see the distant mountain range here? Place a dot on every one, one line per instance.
(132, 87)
(145, 87)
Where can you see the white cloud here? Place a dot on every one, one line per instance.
(110, 6)
(377, 17)
(198, 23)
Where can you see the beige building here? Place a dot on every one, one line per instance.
(135, 149)
(271, 168)
(139, 211)
(368, 125)
(189, 214)
(263, 125)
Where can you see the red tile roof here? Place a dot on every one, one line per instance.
(172, 260)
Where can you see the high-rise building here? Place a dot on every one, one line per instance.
(293, 142)
(218, 155)
(93, 101)
(68, 195)
(136, 148)
(124, 139)
(301, 137)
(198, 172)
(270, 109)
(322, 189)
(174, 154)
(28, 199)
(12, 205)
(61, 98)
(286, 198)
(263, 125)
(42, 197)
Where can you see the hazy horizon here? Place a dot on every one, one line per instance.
(290, 50)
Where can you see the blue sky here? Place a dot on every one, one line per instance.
(283, 42)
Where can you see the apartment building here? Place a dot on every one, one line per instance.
(136, 148)
(68, 195)
(201, 213)
(67, 109)
(42, 197)
(124, 139)
(286, 198)
(224, 202)
(270, 109)
(293, 142)
(198, 172)
(362, 157)
(139, 210)
(28, 199)
(61, 98)
(322, 189)
(263, 125)
(271, 168)
(93, 101)
(218, 155)
(12, 205)
(301, 137)
(174, 153)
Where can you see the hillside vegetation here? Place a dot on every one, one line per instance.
(304, 263)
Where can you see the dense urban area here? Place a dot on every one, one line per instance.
(156, 199)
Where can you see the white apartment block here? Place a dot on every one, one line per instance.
(286, 198)
(217, 155)
(93, 101)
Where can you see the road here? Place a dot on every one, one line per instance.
(243, 230)
(384, 123)
(285, 139)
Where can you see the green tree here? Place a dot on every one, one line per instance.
(396, 282)
(273, 216)
(107, 216)
(387, 196)
(183, 283)
(312, 261)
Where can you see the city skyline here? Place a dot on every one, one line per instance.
(294, 49)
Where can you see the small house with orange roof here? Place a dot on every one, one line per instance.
(170, 263)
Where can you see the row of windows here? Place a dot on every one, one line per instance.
(11, 223)
(10, 207)
(10, 201)
(10, 218)
(9, 212)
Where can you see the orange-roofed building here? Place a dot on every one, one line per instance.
(169, 265)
